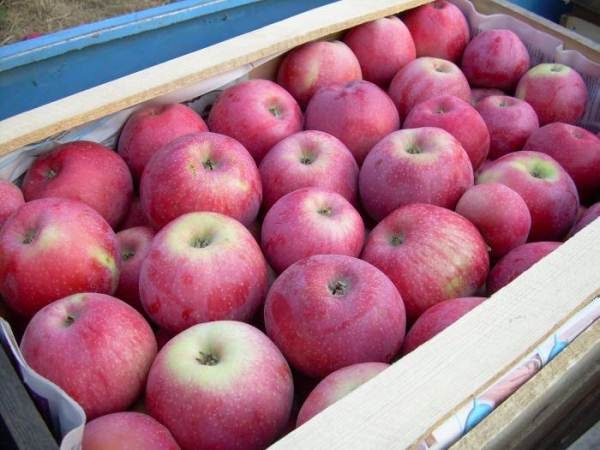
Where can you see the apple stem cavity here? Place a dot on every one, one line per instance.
(338, 288)
(207, 359)
(396, 239)
(414, 150)
(209, 164)
(275, 111)
(51, 174)
(325, 211)
(307, 159)
(29, 237)
(69, 320)
(127, 254)
(200, 242)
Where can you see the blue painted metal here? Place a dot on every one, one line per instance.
(550, 9)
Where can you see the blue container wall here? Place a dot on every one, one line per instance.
(550, 9)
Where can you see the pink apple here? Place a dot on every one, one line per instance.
(458, 118)
(310, 221)
(358, 113)
(540, 87)
(430, 253)
(11, 199)
(592, 213)
(151, 128)
(495, 59)
(383, 47)
(548, 190)
(420, 165)
(481, 93)
(337, 385)
(201, 172)
(311, 66)
(436, 319)
(84, 171)
(221, 385)
(95, 347)
(127, 430)
(576, 150)
(510, 122)
(499, 213)
(426, 78)
(258, 113)
(516, 262)
(322, 303)
(135, 216)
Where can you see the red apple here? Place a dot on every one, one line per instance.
(383, 47)
(221, 385)
(135, 216)
(310, 221)
(420, 165)
(430, 253)
(11, 199)
(426, 78)
(95, 347)
(541, 86)
(459, 119)
(503, 228)
(84, 171)
(201, 172)
(592, 213)
(152, 127)
(510, 122)
(548, 190)
(322, 303)
(358, 113)
(258, 113)
(481, 93)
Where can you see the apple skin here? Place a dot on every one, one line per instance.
(430, 253)
(201, 172)
(383, 47)
(548, 190)
(478, 94)
(308, 159)
(516, 262)
(85, 171)
(439, 29)
(592, 213)
(540, 87)
(201, 267)
(510, 122)
(11, 199)
(321, 303)
(104, 341)
(238, 388)
(358, 113)
(502, 228)
(311, 66)
(258, 113)
(426, 78)
(495, 59)
(337, 385)
(420, 165)
(308, 222)
(151, 128)
(458, 118)
(130, 430)
(54, 247)
(436, 319)
(135, 216)
(578, 153)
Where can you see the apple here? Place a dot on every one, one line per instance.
(311, 66)
(97, 348)
(221, 385)
(201, 267)
(383, 47)
(84, 171)
(510, 122)
(310, 221)
(439, 29)
(458, 118)
(337, 385)
(420, 165)
(540, 87)
(426, 78)
(503, 228)
(578, 153)
(130, 430)
(358, 113)
(495, 59)
(322, 303)
(152, 127)
(201, 172)
(481, 93)
(436, 319)
(11, 199)
(430, 253)
(135, 216)
(548, 190)
(258, 113)
(592, 213)
(516, 262)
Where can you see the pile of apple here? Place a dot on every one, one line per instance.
(428, 172)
